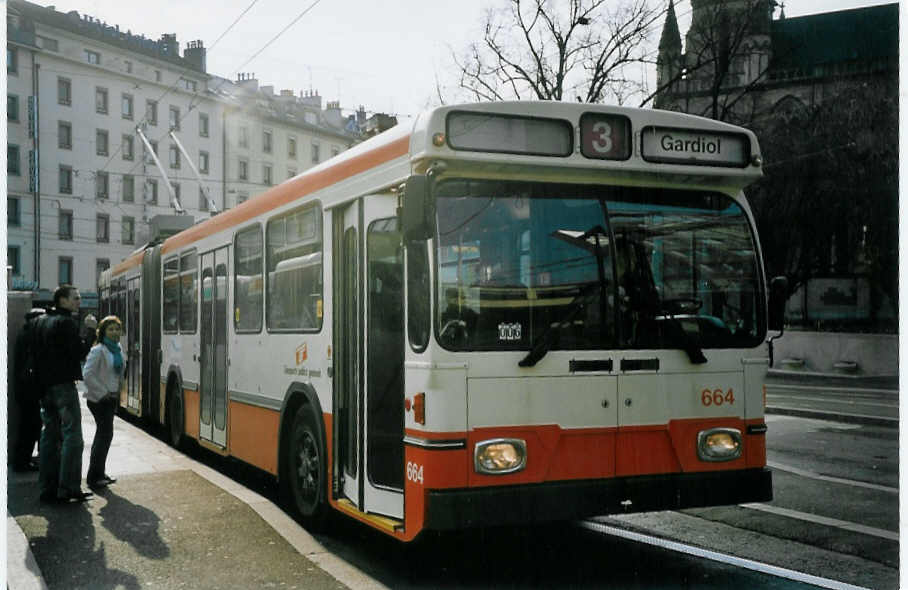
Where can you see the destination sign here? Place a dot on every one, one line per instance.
(683, 146)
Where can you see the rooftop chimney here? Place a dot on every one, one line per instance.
(195, 55)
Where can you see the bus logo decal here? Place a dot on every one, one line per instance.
(302, 353)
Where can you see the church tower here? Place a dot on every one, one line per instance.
(669, 61)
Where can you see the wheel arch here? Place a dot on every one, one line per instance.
(298, 395)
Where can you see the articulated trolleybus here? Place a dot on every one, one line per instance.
(500, 313)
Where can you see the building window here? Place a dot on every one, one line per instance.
(157, 75)
(243, 170)
(190, 85)
(244, 137)
(335, 151)
(12, 60)
(66, 180)
(203, 162)
(242, 197)
(64, 135)
(92, 57)
(65, 225)
(315, 154)
(128, 65)
(102, 228)
(175, 118)
(291, 172)
(266, 174)
(128, 227)
(101, 185)
(151, 112)
(101, 264)
(128, 147)
(64, 91)
(127, 106)
(154, 147)
(13, 259)
(13, 213)
(176, 190)
(151, 196)
(203, 125)
(47, 43)
(64, 270)
(12, 108)
(203, 200)
(174, 156)
(101, 142)
(13, 166)
(129, 188)
(266, 142)
(291, 147)
(101, 100)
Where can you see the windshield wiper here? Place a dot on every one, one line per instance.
(543, 343)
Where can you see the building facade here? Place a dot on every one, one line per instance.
(87, 104)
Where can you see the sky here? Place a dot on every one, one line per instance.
(390, 56)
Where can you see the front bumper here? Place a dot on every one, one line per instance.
(568, 500)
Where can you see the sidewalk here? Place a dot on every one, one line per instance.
(168, 522)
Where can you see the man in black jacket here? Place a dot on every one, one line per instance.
(61, 350)
(28, 395)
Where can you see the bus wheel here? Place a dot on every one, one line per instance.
(175, 418)
(306, 469)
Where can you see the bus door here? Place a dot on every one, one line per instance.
(371, 348)
(133, 343)
(213, 348)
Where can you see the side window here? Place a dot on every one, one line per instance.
(189, 292)
(418, 295)
(294, 263)
(171, 295)
(248, 283)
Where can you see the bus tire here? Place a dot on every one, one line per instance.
(174, 417)
(306, 469)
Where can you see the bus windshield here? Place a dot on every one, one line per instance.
(544, 266)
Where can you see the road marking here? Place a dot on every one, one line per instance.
(849, 482)
(833, 522)
(831, 400)
(833, 416)
(763, 568)
(830, 389)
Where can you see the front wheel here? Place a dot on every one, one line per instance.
(175, 418)
(306, 469)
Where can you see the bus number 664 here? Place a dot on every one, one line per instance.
(716, 397)
(414, 472)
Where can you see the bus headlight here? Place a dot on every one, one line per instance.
(719, 444)
(498, 456)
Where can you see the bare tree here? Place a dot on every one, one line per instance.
(588, 50)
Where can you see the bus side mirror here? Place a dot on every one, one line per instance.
(418, 218)
(778, 296)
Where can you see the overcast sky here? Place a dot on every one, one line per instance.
(386, 55)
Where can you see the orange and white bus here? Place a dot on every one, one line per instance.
(499, 313)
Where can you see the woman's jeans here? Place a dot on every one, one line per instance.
(103, 411)
(61, 441)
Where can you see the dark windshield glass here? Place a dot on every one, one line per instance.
(591, 267)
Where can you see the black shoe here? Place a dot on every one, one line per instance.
(79, 496)
(101, 482)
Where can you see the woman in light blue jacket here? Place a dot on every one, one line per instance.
(102, 373)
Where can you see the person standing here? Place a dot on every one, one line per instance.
(102, 373)
(60, 352)
(28, 396)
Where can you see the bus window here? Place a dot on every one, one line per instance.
(294, 262)
(418, 292)
(171, 295)
(248, 288)
(189, 294)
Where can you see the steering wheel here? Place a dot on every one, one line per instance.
(682, 304)
(452, 325)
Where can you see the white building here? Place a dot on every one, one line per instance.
(83, 189)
